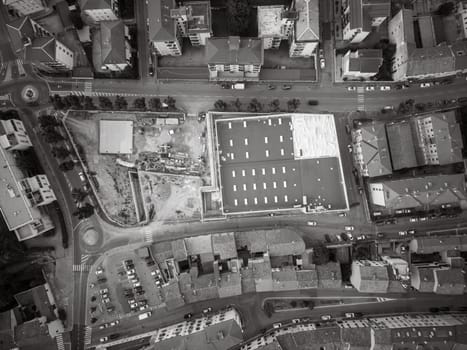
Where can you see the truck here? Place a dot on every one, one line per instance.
(145, 315)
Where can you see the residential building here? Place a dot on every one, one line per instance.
(370, 149)
(422, 279)
(111, 49)
(234, 58)
(418, 192)
(437, 244)
(439, 139)
(275, 23)
(24, 198)
(399, 266)
(50, 55)
(100, 10)
(363, 63)
(449, 281)
(306, 31)
(461, 17)
(361, 16)
(423, 55)
(193, 20)
(23, 31)
(164, 32)
(26, 7)
(329, 275)
(401, 144)
(222, 330)
(13, 135)
(370, 276)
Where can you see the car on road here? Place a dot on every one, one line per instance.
(104, 325)
(326, 317)
(350, 148)
(311, 223)
(151, 71)
(423, 218)
(296, 320)
(277, 325)
(143, 307)
(145, 315)
(425, 85)
(114, 323)
(370, 88)
(385, 88)
(286, 87)
(81, 176)
(349, 228)
(348, 286)
(99, 271)
(402, 233)
(322, 63)
(188, 316)
(271, 87)
(207, 310)
(413, 219)
(388, 108)
(349, 315)
(103, 339)
(411, 231)
(351, 88)
(343, 214)
(361, 238)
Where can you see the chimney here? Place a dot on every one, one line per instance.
(234, 43)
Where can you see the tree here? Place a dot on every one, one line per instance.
(255, 106)
(105, 103)
(170, 102)
(60, 152)
(220, 105)
(88, 103)
(66, 166)
(140, 103)
(56, 100)
(51, 135)
(268, 309)
(78, 194)
(313, 102)
(446, 9)
(75, 18)
(72, 101)
(238, 14)
(47, 120)
(155, 104)
(84, 211)
(275, 105)
(320, 255)
(293, 104)
(120, 103)
(237, 104)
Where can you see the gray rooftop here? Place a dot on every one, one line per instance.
(112, 42)
(307, 25)
(234, 50)
(401, 144)
(161, 26)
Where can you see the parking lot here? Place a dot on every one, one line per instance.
(125, 283)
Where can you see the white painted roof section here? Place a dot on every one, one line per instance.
(116, 136)
(307, 26)
(269, 21)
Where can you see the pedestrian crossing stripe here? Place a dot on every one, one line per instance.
(59, 341)
(148, 237)
(87, 335)
(84, 258)
(82, 267)
(360, 89)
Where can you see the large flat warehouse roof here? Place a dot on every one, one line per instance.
(260, 170)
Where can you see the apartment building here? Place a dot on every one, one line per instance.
(22, 31)
(438, 138)
(22, 204)
(49, 54)
(100, 10)
(370, 276)
(164, 31)
(361, 16)
(275, 23)
(13, 135)
(306, 31)
(418, 192)
(111, 48)
(363, 63)
(25, 7)
(461, 17)
(193, 20)
(218, 331)
(371, 150)
(234, 58)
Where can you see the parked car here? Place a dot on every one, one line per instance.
(106, 300)
(361, 238)
(286, 87)
(81, 176)
(349, 315)
(370, 88)
(130, 271)
(326, 317)
(402, 233)
(339, 237)
(207, 310)
(99, 271)
(271, 87)
(322, 63)
(385, 88)
(114, 336)
(312, 223)
(188, 316)
(343, 214)
(425, 85)
(104, 291)
(343, 237)
(349, 228)
(296, 320)
(114, 323)
(350, 236)
(277, 325)
(413, 219)
(103, 339)
(351, 88)
(102, 280)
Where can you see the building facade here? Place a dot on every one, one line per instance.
(242, 63)
(50, 55)
(164, 31)
(100, 10)
(13, 135)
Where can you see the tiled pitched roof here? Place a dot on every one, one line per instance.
(401, 144)
(41, 50)
(307, 25)
(234, 50)
(161, 26)
(112, 42)
(430, 60)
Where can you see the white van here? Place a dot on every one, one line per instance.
(145, 315)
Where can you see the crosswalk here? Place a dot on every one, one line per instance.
(87, 335)
(360, 98)
(84, 258)
(81, 267)
(59, 341)
(382, 300)
(19, 63)
(148, 237)
(88, 86)
(98, 93)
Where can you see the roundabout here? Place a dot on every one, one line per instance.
(29, 94)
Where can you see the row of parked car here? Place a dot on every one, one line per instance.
(136, 291)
